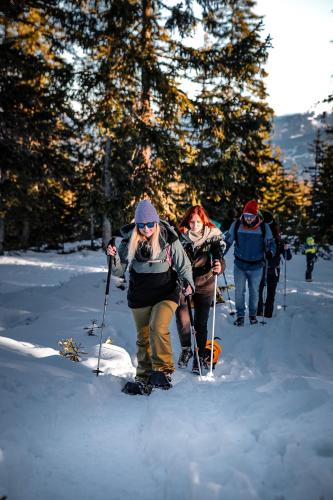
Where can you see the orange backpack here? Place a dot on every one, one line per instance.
(217, 349)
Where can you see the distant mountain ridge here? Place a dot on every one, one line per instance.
(294, 135)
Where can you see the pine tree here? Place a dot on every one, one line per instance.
(321, 210)
(286, 196)
(131, 98)
(36, 123)
(231, 120)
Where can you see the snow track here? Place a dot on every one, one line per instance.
(261, 429)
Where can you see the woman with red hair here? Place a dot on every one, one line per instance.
(201, 240)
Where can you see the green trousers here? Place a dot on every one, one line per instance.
(154, 350)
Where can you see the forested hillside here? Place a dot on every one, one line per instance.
(94, 116)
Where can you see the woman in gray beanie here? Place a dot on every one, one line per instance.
(157, 263)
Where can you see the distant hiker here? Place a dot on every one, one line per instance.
(201, 240)
(273, 267)
(310, 250)
(253, 245)
(156, 260)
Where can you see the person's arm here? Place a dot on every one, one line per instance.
(218, 266)
(119, 263)
(286, 251)
(270, 246)
(182, 264)
(229, 237)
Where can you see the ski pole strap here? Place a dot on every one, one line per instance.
(108, 279)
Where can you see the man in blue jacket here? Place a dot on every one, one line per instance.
(254, 244)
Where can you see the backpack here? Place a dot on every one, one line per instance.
(217, 349)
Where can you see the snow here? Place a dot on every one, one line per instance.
(261, 429)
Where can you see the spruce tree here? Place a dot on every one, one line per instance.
(35, 124)
(232, 120)
(321, 209)
(131, 97)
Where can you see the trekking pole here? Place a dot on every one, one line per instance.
(232, 313)
(188, 300)
(285, 285)
(108, 281)
(210, 374)
(264, 294)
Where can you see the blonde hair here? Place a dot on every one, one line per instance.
(137, 236)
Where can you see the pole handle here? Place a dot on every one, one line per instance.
(108, 279)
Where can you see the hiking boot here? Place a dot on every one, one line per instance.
(161, 380)
(138, 387)
(253, 320)
(239, 322)
(184, 357)
(195, 367)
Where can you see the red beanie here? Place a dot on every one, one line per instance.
(251, 207)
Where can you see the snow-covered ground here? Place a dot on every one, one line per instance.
(262, 429)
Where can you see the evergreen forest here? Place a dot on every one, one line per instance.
(106, 102)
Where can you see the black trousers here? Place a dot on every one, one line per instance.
(273, 276)
(202, 303)
(310, 260)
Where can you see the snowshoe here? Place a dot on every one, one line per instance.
(184, 357)
(137, 388)
(239, 322)
(253, 320)
(160, 380)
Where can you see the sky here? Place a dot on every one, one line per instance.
(300, 64)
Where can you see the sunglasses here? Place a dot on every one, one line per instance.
(141, 225)
(249, 216)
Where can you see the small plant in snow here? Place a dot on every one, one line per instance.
(71, 349)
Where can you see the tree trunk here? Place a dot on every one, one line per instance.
(106, 236)
(25, 233)
(92, 229)
(2, 235)
(147, 113)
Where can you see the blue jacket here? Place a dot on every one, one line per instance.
(251, 247)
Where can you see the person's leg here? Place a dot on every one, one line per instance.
(272, 281)
(183, 323)
(161, 348)
(261, 289)
(253, 279)
(184, 332)
(240, 283)
(143, 351)
(309, 266)
(202, 303)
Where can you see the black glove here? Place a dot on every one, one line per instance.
(269, 254)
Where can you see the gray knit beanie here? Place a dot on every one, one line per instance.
(145, 212)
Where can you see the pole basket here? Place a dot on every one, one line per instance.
(97, 371)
